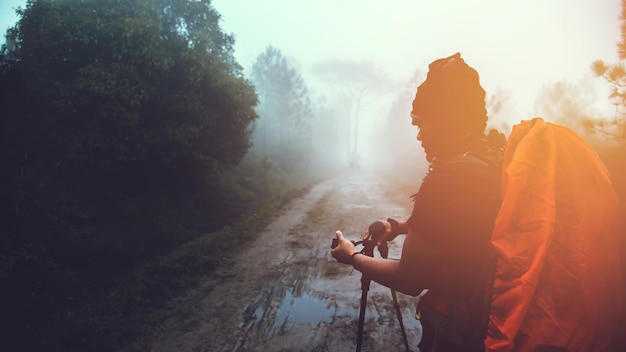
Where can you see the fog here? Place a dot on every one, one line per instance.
(520, 49)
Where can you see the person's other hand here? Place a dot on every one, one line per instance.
(344, 250)
(380, 232)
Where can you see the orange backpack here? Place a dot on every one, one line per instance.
(558, 279)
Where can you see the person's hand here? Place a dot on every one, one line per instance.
(344, 250)
(381, 232)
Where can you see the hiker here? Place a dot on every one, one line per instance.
(447, 248)
(354, 161)
(510, 248)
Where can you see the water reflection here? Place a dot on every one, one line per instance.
(282, 311)
(306, 310)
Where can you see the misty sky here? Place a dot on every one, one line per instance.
(517, 46)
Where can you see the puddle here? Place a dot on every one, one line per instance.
(258, 313)
(309, 310)
(305, 310)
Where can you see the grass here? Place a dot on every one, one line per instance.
(122, 316)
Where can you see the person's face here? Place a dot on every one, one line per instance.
(427, 135)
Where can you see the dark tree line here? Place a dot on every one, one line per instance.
(120, 124)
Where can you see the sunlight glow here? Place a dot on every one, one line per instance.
(518, 47)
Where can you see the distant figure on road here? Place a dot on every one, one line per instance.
(482, 279)
(355, 161)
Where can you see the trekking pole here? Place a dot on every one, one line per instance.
(394, 295)
(377, 227)
(368, 249)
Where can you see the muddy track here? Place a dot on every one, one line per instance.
(284, 292)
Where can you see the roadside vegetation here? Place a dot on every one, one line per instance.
(126, 139)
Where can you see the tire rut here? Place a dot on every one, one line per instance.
(284, 292)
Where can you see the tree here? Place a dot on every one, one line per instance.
(403, 151)
(615, 75)
(327, 143)
(120, 120)
(359, 83)
(571, 105)
(284, 129)
(129, 90)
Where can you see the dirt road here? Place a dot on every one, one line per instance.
(284, 292)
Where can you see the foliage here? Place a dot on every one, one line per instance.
(570, 105)
(133, 85)
(124, 313)
(283, 131)
(615, 75)
(613, 156)
(123, 124)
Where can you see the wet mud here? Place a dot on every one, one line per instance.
(284, 292)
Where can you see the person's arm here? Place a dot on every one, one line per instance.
(392, 227)
(400, 227)
(409, 275)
